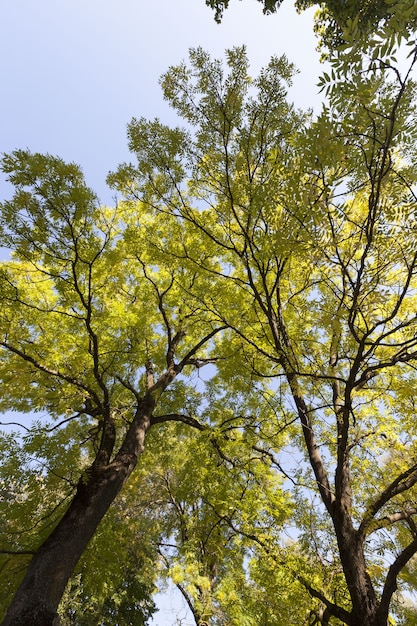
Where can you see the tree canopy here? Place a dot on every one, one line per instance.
(248, 309)
(372, 10)
(315, 228)
(334, 18)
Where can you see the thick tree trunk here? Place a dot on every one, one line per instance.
(365, 604)
(37, 599)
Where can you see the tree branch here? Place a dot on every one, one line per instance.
(178, 417)
(402, 483)
(391, 580)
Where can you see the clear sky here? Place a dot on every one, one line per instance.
(74, 72)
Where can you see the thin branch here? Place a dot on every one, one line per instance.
(389, 520)
(46, 370)
(403, 482)
(191, 353)
(15, 424)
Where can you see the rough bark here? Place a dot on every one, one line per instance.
(366, 608)
(36, 600)
(365, 604)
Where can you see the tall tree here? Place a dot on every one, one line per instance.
(313, 224)
(94, 331)
(257, 240)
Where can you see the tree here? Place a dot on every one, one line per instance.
(94, 330)
(370, 9)
(210, 502)
(258, 241)
(333, 19)
(312, 225)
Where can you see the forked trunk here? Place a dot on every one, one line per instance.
(37, 599)
(366, 610)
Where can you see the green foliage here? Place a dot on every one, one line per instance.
(335, 22)
(308, 228)
(256, 281)
(214, 492)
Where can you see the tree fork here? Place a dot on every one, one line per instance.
(38, 596)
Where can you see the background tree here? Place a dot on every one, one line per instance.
(210, 503)
(115, 578)
(314, 225)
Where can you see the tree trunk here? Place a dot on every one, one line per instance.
(365, 603)
(36, 600)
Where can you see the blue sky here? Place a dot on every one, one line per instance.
(74, 72)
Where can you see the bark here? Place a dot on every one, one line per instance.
(365, 603)
(36, 600)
